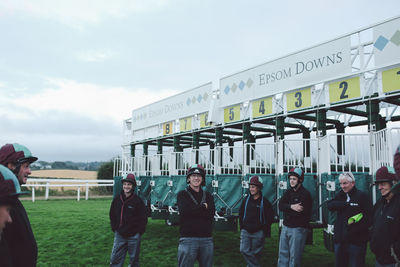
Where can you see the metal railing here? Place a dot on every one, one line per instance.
(350, 152)
(73, 183)
(335, 152)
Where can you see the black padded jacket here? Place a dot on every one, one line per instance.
(20, 239)
(356, 233)
(195, 219)
(256, 215)
(128, 215)
(385, 231)
(293, 218)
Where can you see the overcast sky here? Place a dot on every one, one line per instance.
(72, 71)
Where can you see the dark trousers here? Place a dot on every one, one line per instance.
(350, 255)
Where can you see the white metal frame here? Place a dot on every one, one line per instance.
(47, 183)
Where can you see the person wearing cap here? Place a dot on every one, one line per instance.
(19, 235)
(9, 192)
(296, 205)
(385, 231)
(196, 209)
(128, 222)
(255, 219)
(354, 209)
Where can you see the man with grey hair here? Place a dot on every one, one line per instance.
(354, 210)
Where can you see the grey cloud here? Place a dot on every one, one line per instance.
(64, 136)
(63, 147)
(59, 122)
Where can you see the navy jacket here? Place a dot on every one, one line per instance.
(128, 215)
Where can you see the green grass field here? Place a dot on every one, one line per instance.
(72, 233)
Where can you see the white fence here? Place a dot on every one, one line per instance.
(76, 183)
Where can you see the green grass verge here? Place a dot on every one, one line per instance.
(77, 233)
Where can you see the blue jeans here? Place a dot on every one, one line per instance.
(123, 244)
(291, 246)
(191, 249)
(350, 255)
(251, 246)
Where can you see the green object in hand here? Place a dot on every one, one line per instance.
(355, 219)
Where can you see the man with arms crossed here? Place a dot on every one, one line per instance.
(296, 205)
(196, 209)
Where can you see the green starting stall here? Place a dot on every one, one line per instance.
(343, 153)
(228, 193)
(289, 112)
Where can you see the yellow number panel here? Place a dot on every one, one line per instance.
(344, 90)
(185, 124)
(232, 114)
(167, 128)
(203, 120)
(298, 99)
(391, 80)
(262, 107)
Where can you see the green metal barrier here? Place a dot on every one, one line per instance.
(177, 184)
(208, 187)
(228, 193)
(158, 194)
(143, 189)
(117, 188)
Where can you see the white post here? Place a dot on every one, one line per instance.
(87, 191)
(373, 166)
(79, 193)
(33, 194)
(47, 191)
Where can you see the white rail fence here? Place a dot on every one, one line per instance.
(76, 183)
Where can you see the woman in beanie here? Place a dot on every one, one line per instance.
(385, 232)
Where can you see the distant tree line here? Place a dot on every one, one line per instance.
(69, 165)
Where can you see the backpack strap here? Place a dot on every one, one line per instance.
(245, 207)
(203, 198)
(262, 215)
